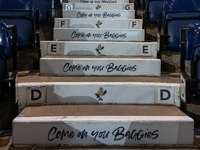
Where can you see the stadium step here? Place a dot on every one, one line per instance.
(87, 34)
(100, 14)
(102, 6)
(99, 66)
(97, 91)
(99, 48)
(87, 125)
(97, 23)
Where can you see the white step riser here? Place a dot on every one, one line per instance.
(103, 6)
(96, 23)
(99, 67)
(103, 130)
(99, 48)
(84, 93)
(98, 1)
(99, 14)
(129, 35)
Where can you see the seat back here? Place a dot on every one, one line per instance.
(175, 14)
(195, 67)
(152, 8)
(5, 55)
(46, 8)
(192, 39)
(58, 2)
(22, 14)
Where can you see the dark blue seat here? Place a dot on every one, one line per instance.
(190, 50)
(5, 55)
(22, 14)
(58, 2)
(192, 39)
(46, 8)
(175, 14)
(152, 8)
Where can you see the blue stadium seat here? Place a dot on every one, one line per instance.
(192, 39)
(152, 8)
(5, 55)
(190, 50)
(58, 2)
(22, 14)
(8, 101)
(46, 8)
(175, 14)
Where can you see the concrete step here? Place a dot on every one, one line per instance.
(99, 66)
(45, 93)
(87, 125)
(98, 23)
(102, 6)
(100, 14)
(98, 48)
(34, 89)
(86, 34)
(97, 1)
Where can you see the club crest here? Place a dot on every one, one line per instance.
(98, 7)
(101, 92)
(99, 48)
(98, 24)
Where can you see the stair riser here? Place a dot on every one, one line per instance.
(98, 1)
(99, 14)
(131, 35)
(98, 67)
(84, 93)
(103, 6)
(103, 130)
(99, 48)
(95, 23)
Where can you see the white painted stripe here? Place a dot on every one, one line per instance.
(102, 6)
(85, 34)
(98, 1)
(111, 14)
(98, 23)
(107, 119)
(96, 83)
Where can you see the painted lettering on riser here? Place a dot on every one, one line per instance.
(62, 23)
(98, 1)
(53, 48)
(98, 15)
(106, 35)
(166, 93)
(145, 50)
(127, 7)
(134, 23)
(109, 68)
(36, 94)
(117, 134)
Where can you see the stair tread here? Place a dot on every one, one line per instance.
(25, 77)
(100, 110)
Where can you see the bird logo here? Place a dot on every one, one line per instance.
(98, 24)
(99, 48)
(98, 7)
(101, 92)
